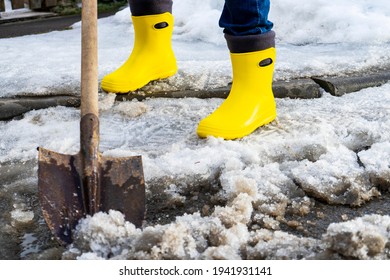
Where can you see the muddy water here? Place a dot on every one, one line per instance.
(24, 234)
(23, 231)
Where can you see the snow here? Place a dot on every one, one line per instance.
(364, 238)
(331, 149)
(22, 216)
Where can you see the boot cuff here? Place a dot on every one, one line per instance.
(150, 7)
(250, 43)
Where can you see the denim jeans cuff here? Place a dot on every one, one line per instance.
(150, 7)
(250, 43)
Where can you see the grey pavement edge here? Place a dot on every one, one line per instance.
(305, 88)
(14, 107)
(341, 85)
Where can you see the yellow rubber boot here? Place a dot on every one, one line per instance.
(152, 57)
(250, 103)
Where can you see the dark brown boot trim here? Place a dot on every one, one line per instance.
(150, 7)
(250, 43)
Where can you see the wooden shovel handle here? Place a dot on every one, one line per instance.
(89, 122)
(89, 58)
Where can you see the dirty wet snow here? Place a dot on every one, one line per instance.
(233, 196)
(294, 189)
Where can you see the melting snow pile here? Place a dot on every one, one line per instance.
(236, 195)
(364, 238)
(194, 237)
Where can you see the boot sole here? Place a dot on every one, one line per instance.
(204, 131)
(126, 88)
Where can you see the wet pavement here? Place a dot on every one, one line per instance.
(36, 23)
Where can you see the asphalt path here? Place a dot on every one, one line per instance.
(38, 25)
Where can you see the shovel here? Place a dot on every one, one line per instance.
(73, 186)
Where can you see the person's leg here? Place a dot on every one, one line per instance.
(150, 7)
(152, 57)
(245, 17)
(251, 43)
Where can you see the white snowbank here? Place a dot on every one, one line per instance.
(329, 22)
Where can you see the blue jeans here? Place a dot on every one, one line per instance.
(245, 17)
(239, 17)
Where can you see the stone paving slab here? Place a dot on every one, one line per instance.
(299, 88)
(341, 85)
(13, 107)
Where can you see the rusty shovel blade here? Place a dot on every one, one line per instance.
(64, 201)
(74, 186)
